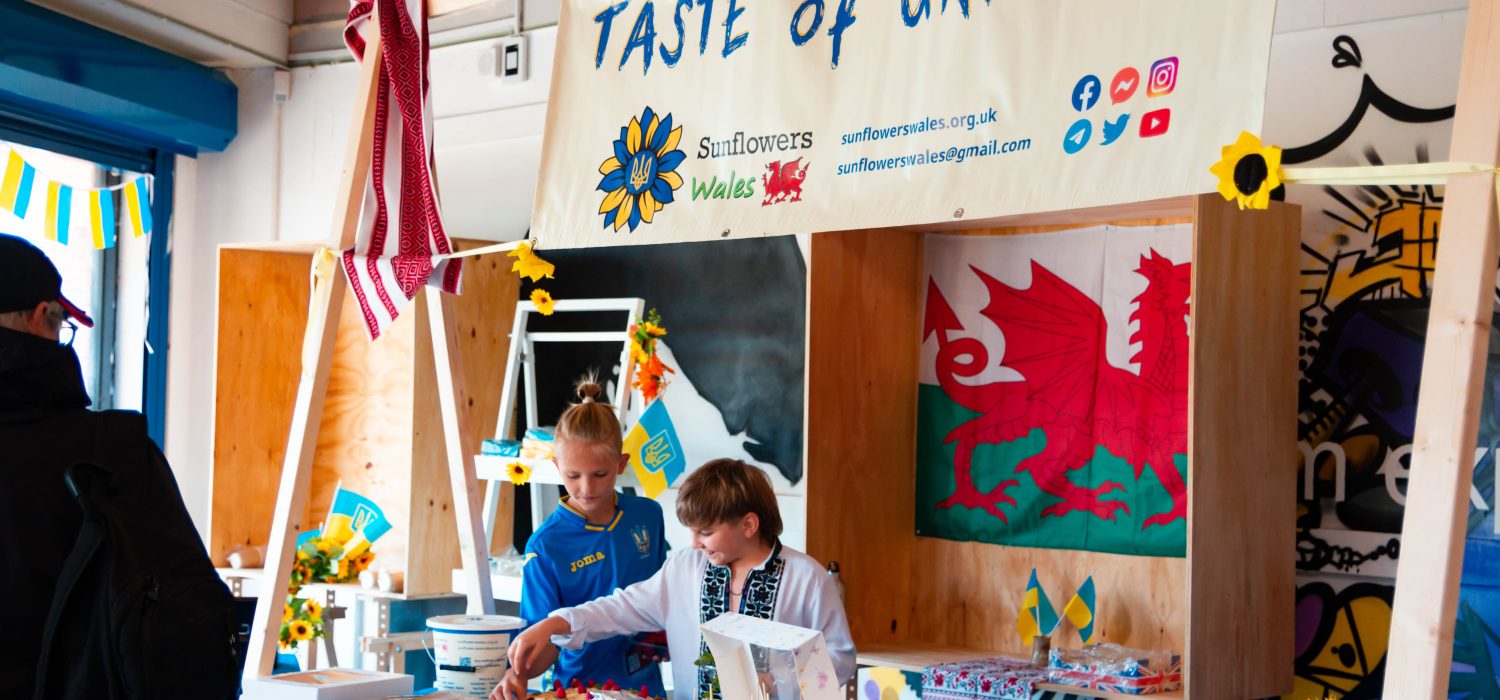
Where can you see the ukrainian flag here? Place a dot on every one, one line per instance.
(1080, 610)
(355, 522)
(1037, 616)
(15, 185)
(655, 452)
(137, 207)
(59, 211)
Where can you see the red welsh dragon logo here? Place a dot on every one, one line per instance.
(783, 181)
(1054, 337)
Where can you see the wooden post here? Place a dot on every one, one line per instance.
(1458, 330)
(474, 547)
(307, 414)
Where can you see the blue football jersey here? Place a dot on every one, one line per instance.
(570, 562)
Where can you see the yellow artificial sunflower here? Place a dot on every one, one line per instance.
(313, 610)
(286, 613)
(544, 301)
(1248, 171)
(652, 329)
(519, 473)
(300, 630)
(529, 264)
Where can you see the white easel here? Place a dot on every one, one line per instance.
(522, 354)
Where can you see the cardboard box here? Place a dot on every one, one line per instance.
(328, 684)
(764, 660)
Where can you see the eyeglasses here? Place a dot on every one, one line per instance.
(66, 332)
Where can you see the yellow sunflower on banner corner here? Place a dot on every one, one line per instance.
(1248, 171)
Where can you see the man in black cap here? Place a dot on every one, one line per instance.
(106, 590)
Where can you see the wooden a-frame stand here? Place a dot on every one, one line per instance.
(322, 324)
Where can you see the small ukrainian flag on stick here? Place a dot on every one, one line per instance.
(1037, 618)
(1080, 610)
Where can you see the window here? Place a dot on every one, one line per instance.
(113, 285)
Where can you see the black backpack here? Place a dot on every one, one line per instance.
(139, 611)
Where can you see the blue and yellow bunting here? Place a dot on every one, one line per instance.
(1080, 610)
(96, 209)
(15, 185)
(655, 452)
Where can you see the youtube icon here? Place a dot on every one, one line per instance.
(1155, 123)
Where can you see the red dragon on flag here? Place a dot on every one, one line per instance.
(1055, 339)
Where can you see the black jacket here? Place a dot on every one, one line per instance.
(45, 426)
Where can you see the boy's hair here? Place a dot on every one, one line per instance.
(725, 490)
(589, 421)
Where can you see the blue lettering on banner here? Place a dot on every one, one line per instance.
(805, 21)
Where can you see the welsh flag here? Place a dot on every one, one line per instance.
(1052, 408)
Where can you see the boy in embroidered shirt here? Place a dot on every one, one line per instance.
(595, 543)
(737, 563)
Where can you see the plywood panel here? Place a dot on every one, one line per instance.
(1176, 208)
(262, 303)
(484, 313)
(365, 439)
(863, 318)
(1241, 432)
(968, 594)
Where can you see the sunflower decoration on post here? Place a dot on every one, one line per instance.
(530, 265)
(1249, 171)
(642, 174)
(319, 559)
(651, 372)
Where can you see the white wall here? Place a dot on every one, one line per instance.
(220, 198)
(488, 142)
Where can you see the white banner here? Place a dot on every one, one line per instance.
(710, 119)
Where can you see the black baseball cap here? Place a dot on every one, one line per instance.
(28, 278)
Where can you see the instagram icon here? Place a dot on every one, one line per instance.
(1163, 77)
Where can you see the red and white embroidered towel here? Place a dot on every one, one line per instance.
(401, 244)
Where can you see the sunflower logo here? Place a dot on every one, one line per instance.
(640, 177)
(1248, 171)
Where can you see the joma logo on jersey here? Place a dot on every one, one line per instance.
(594, 558)
(657, 452)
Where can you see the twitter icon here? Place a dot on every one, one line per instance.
(1113, 129)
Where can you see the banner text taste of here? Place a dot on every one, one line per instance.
(805, 23)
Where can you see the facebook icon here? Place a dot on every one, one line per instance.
(1086, 93)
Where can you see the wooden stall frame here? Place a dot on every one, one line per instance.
(322, 323)
(1235, 632)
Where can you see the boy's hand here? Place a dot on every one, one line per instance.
(513, 687)
(529, 654)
